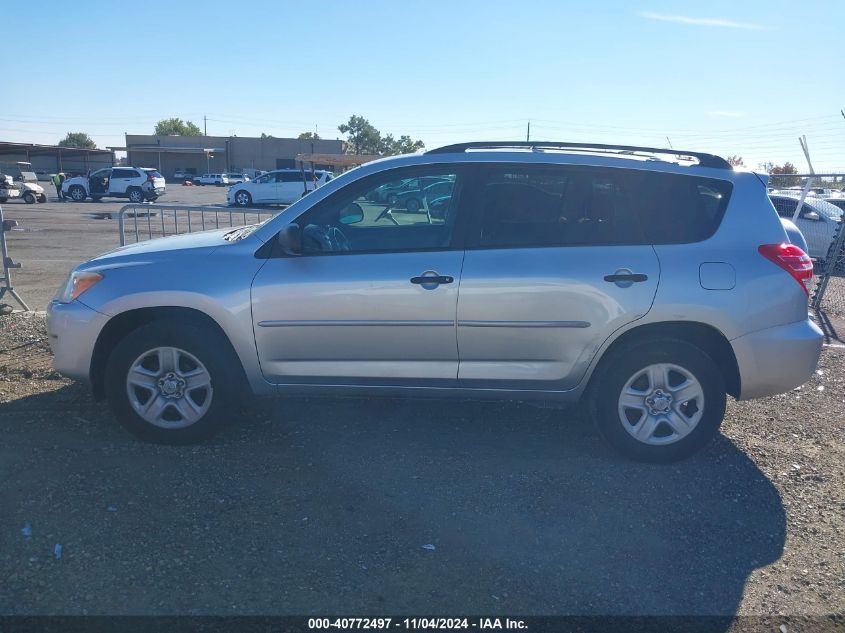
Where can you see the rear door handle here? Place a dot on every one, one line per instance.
(631, 277)
(432, 279)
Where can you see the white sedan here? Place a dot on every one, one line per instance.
(282, 186)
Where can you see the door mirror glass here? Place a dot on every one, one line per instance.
(290, 240)
(812, 215)
(351, 214)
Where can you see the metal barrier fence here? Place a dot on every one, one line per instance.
(816, 203)
(141, 222)
(6, 265)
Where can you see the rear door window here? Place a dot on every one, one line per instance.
(545, 206)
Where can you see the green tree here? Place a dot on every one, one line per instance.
(784, 175)
(308, 136)
(364, 138)
(263, 135)
(78, 139)
(178, 127)
(402, 145)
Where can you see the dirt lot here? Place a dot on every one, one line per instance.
(346, 506)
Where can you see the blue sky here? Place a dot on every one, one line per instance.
(729, 77)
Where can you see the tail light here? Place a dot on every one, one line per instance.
(150, 178)
(792, 259)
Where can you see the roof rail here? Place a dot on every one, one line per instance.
(704, 160)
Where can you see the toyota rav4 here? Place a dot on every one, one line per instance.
(647, 283)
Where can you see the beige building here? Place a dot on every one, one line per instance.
(219, 154)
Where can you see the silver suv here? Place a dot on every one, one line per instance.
(647, 283)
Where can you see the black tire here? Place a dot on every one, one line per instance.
(3, 200)
(392, 199)
(625, 362)
(242, 198)
(135, 195)
(30, 198)
(205, 344)
(77, 193)
(42, 198)
(96, 198)
(412, 205)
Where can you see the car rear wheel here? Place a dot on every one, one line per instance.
(658, 399)
(77, 193)
(243, 199)
(136, 195)
(165, 383)
(42, 198)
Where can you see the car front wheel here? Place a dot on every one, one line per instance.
(165, 383)
(658, 399)
(77, 193)
(243, 199)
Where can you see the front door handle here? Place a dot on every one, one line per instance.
(632, 277)
(438, 279)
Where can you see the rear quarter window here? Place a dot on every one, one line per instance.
(680, 209)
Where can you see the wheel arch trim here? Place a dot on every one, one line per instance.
(126, 321)
(706, 337)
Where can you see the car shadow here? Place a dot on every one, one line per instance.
(314, 506)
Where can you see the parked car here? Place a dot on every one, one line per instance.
(282, 186)
(415, 198)
(817, 221)
(183, 174)
(139, 184)
(650, 289)
(218, 180)
(236, 179)
(837, 202)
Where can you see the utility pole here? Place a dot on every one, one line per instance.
(204, 125)
(670, 143)
(528, 133)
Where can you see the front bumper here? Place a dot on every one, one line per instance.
(777, 359)
(73, 329)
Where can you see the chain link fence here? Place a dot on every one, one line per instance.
(816, 204)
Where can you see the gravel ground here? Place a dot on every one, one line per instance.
(396, 506)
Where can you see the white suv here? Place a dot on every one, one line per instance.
(139, 184)
(212, 179)
(282, 186)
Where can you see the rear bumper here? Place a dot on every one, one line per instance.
(777, 359)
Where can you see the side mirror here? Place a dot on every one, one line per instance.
(352, 214)
(290, 239)
(812, 215)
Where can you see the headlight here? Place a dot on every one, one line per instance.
(77, 283)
